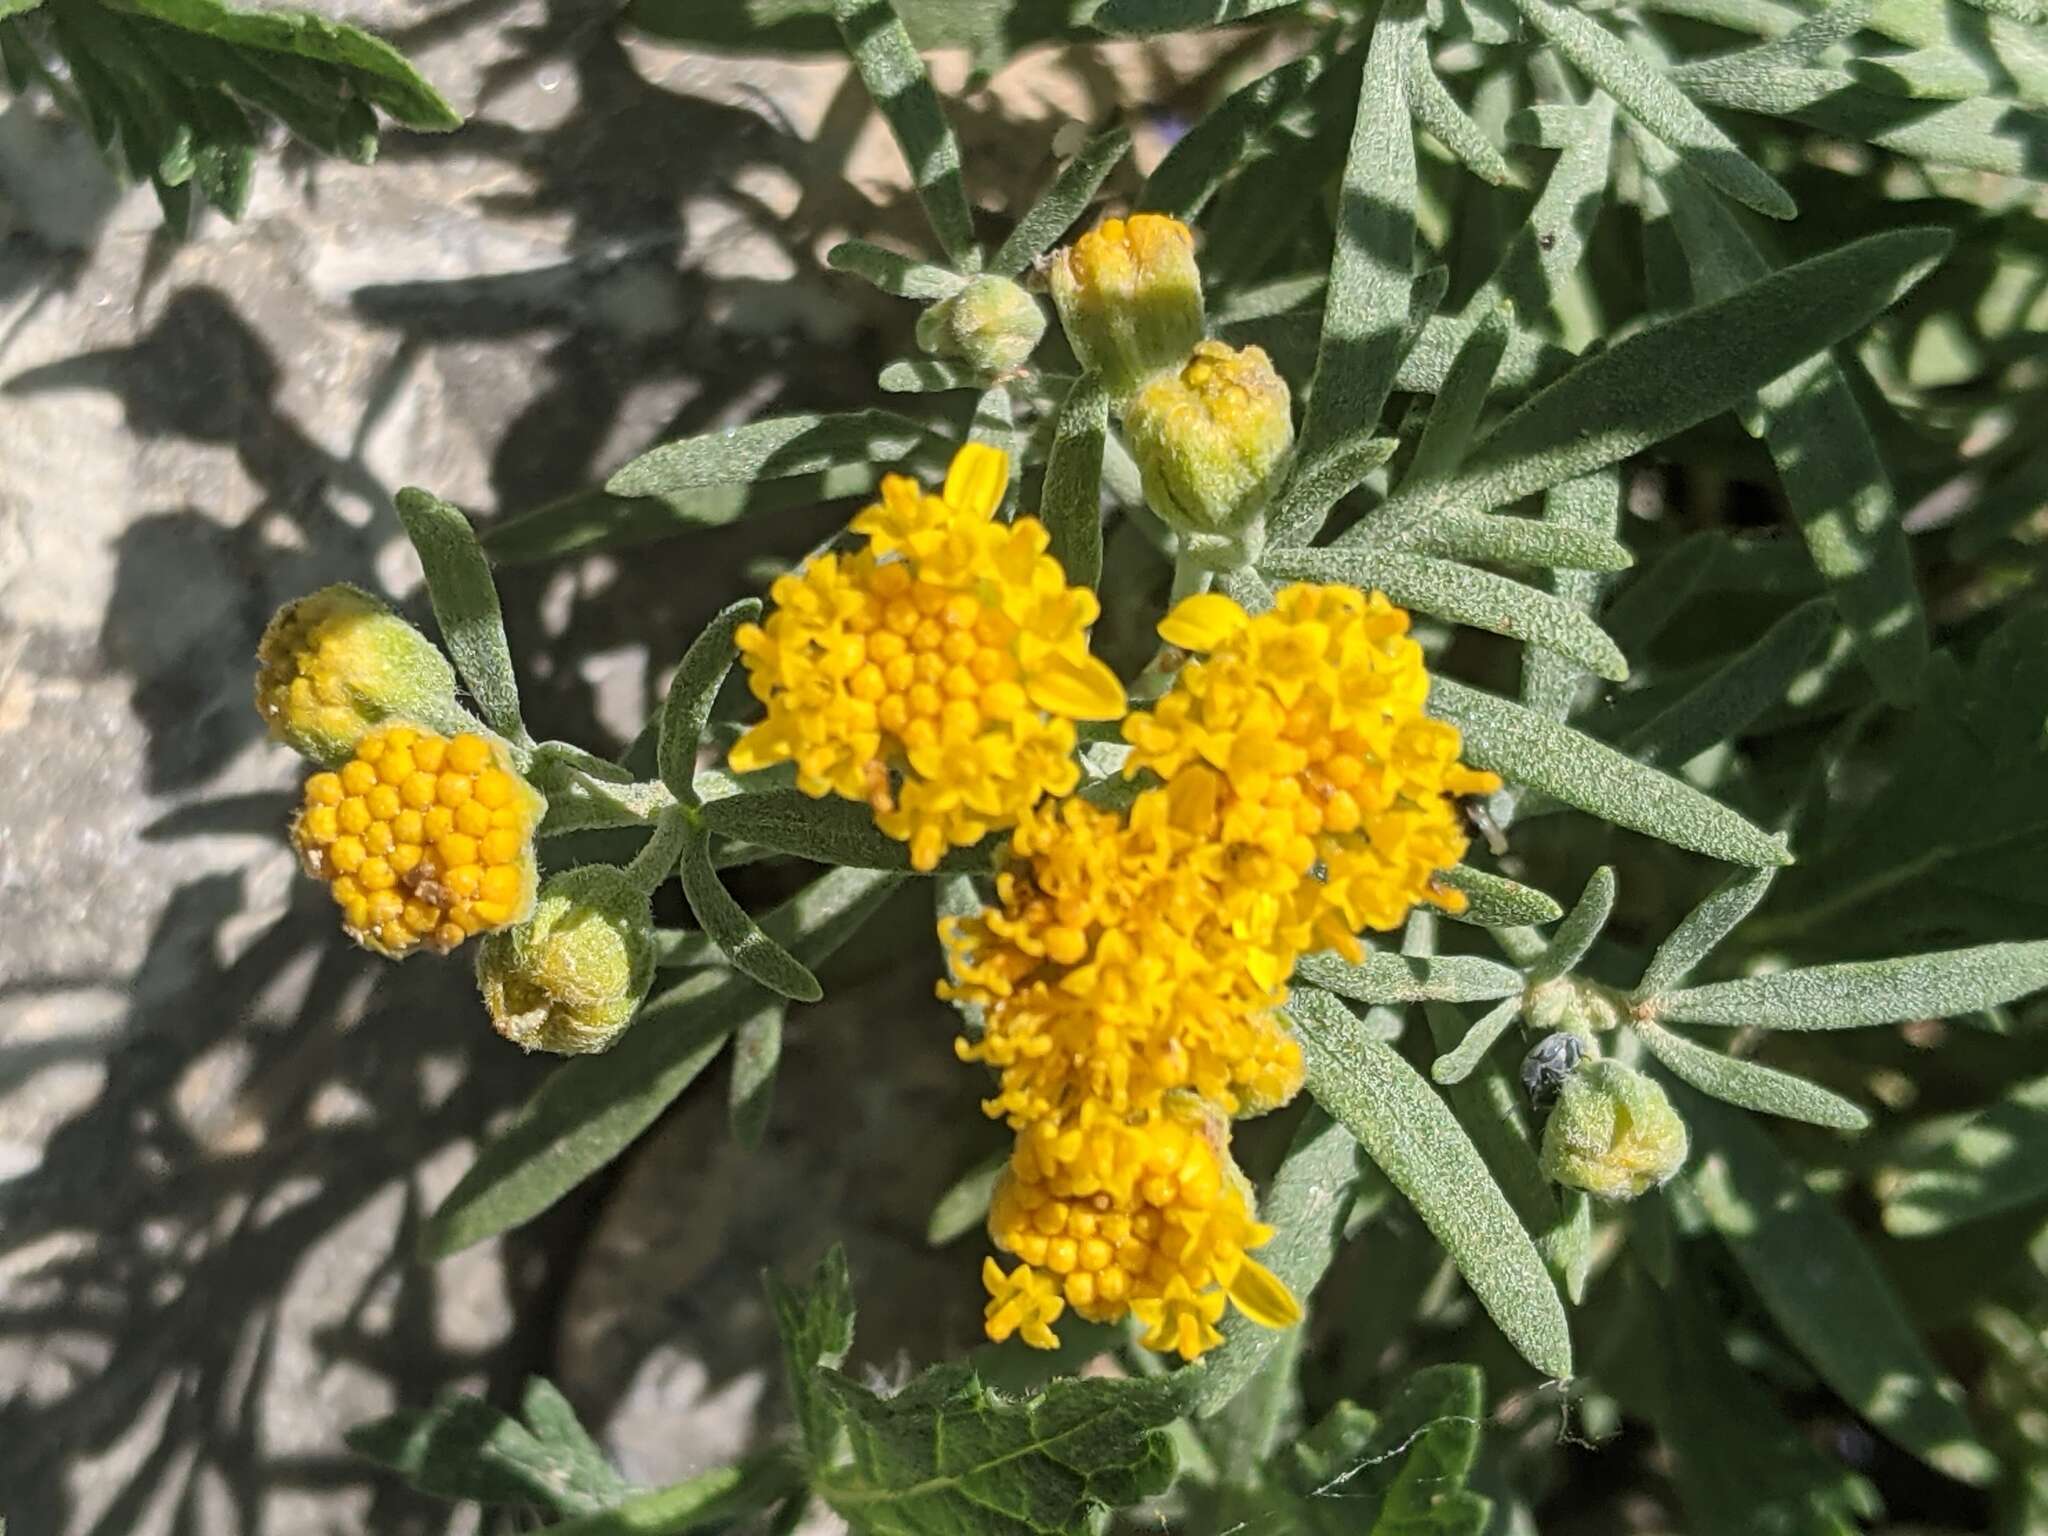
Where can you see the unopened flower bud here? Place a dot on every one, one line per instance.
(334, 665)
(1613, 1133)
(992, 325)
(570, 978)
(1574, 1005)
(1130, 297)
(1211, 440)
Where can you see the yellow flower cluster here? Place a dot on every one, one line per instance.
(423, 840)
(935, 674)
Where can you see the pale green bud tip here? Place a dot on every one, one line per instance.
(1576, 1006)
(1613, 1134)
(1211, 439)
(333, 666)
(1130, 298)
(570, 978)
(992, 325)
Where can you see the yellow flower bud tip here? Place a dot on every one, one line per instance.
(992, 325)
(1129, 296)
(570, 978)
(1211, 439)
(1613, 1133)
(333, 665)
(936, 674)
(422, 839)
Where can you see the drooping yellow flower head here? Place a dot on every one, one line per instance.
(570, 978)
(423, 840)
(1126, 960)
(1211, 439)
(1148, 1216)
(1312, 714)
(935, 674)
(334, 664)
(1130, 298)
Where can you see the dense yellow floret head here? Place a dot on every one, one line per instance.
(1130, 299)
(937, 672)
(1211, 439)
(1312, 717)
(570, 978)
(1147, 1217)
(423, 839)
(333, 665)
(992, 325)
(1613, 1133)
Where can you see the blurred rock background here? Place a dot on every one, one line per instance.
(219, 1126)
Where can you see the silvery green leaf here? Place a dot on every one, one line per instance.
(1070, 504)
(827, 831)
(1313, 489)
(1736, 694)
(466, 608)
(1859, 993)
(1475, 536)
(1493, 901)
(1964, 1168)
(1539, 753)
(1139, 17)
(1191, 171)
(964, 1205)
(591, 521)
(1384, 977)
(1705, 926)
(1749, 1084)
(927, 376)
(769, 450)
(1417, 1142)
(1438, 114)
(903, 276)
(1643, 606)
(690, 695)
(1589, 508)
(750, 950)
(1455, 411)
(756, 1055)
(1456, 1064)
(902, 91)
(1575, 935)
(1061, 203)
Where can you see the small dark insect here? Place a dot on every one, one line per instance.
(1547, 241)
(1549, 1062)
(1472, 811)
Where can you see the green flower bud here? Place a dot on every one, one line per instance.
(992, 325)
(1130, 297)
(1573, 1005)
(1211, 440)
(1613, 1134)
(333, 666)
(570, 978)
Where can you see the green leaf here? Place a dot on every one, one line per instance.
(1496, 902)
(1402, 1474)
(465, 603)
(587, 522)
(1629, 396)
(964, 1205)
(903, 276)
(750, 950)
(1460, 594)
(591, 1109)
(1148, 16)
(1306, 1204)
(902, 92)
(1416, 1141)
(1477, 536)
(1455, 411)
(756, 1054)
(1575, 935)
(1651, 99)
(313, 101)
(1313, 489)
(1438, 114)
(1705, 926)
(1859, 993)
(1188, 175)
(1456, 1064)
(1826, 1292)
(829, 831)
(1372, 268)
(1748, 1084)
(1386, 979)
(1966, 1168)
(1736, 694)
(1543, 754)
(463, 1448)
(690, 693)
(1587, 508)
(927, 376)
(710, 1499)
(945, 1454)
(770, 450)
(1070, 504)
(816, 1327)
(1061, 203)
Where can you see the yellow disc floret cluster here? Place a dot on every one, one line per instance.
(936, 673)
(423, 839)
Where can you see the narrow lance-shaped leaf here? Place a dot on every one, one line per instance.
(828, 831)
(964, 1205)
(1384, 977)
(1552, 541)
(1061, 203)
(1456, 1064)
(1312, 489)
(1456, 408)
(1588, 507)
(756, 1056)
(1705, 926)
(1148, 16)
(745, 944)
(1071, 503)
(1749, 1084)
(927, 376)
(1575, 935)
(769, 450)
(895, 77)
(1735, 695)
(690, 695)
(1493, 901)
(1191, 171)
(1543, 754)
(466, 608)
(1419, 1144)
(1865, 992)
(1962, 1170)
(1438, 114)
(893, 273)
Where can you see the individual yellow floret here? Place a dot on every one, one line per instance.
(935, 674)
(335, 664)
(1147, 1216)
(423, 839)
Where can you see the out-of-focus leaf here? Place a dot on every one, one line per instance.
(1401, 1474)
(903, 94)
(1953, 1171)
(592, 521)
(1737, 693)
(1191, 171)
(463, 1448)
(1147, 16)
(756, 1056)
(769, 450)
(964, 1205)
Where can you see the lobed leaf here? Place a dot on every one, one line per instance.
(1859, 993)
(690, 695)
(895, 77)
(1749, 1084)
(815, 1324)
(466, 608)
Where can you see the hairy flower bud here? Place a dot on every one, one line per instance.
(1211, 440)
(334, 665)
(570, 978)
(1130, 297)
(992, 325)
(1613, 1133)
